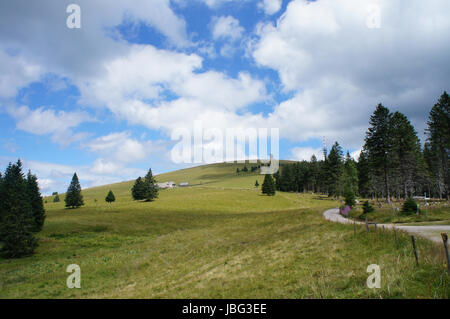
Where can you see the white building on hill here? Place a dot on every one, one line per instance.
(167, 185)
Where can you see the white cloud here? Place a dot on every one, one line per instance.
(270, 6)
(47, 121)
(138, 94)
(15, 73)
(226, 27)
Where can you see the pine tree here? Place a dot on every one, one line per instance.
(139, 189)
(350, 180)
(151, 186)
(268, 186)
(56, 198)
(16, 215)
(378, 144)
(315, 174)
(335, 170)
(365, 187)
(110, 197)
(256, 184)
(405, 150)
(36, 201)
(74, 199)
(438, 138)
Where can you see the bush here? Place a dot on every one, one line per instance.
(409, 207)
(367, 208)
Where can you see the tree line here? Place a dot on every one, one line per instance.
(392, 163)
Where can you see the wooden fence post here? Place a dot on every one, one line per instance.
(415, 249)
(445, 240)
(367, 226)
(354, 228)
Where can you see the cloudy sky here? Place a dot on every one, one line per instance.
(104, 99)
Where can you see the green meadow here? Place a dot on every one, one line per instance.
(218, 238)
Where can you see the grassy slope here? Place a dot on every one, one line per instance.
(218, 239)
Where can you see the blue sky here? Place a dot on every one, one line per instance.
(104, 99)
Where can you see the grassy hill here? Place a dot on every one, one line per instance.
(218, 238)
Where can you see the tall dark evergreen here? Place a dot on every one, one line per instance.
(350, 180)
(365, 187)
(36, 201)
(378, 144)
(334, 169)
(268, 186)
(151, 185)
(438, 138)
(74, 198)
(16, 214)
(139, 189)
(405, 153)
(315, 174)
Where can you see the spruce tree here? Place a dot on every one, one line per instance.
(151, 186)
(350, 180)
(256, 184)
(405, 151)
(315, 171)
(335, 170)
(365, 187)
(268, 186)
(378, 144)
(110, 197)
(74, 199)
(139, 190)
(56, 198)
(16, 215)
(36, 201)
(438, 138)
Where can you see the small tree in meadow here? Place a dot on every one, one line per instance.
(409, 207)
(367, 208)
(74, 199)
(268, 186)
(56, 199)
(256, 184)
(110, 198)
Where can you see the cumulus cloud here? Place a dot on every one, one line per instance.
(138, 94)
(270, 6)
(226, 27)
(43, 121)
(117, 150)
(15, 73)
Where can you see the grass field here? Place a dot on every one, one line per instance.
(218, 239)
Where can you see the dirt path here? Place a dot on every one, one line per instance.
(432, 233)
